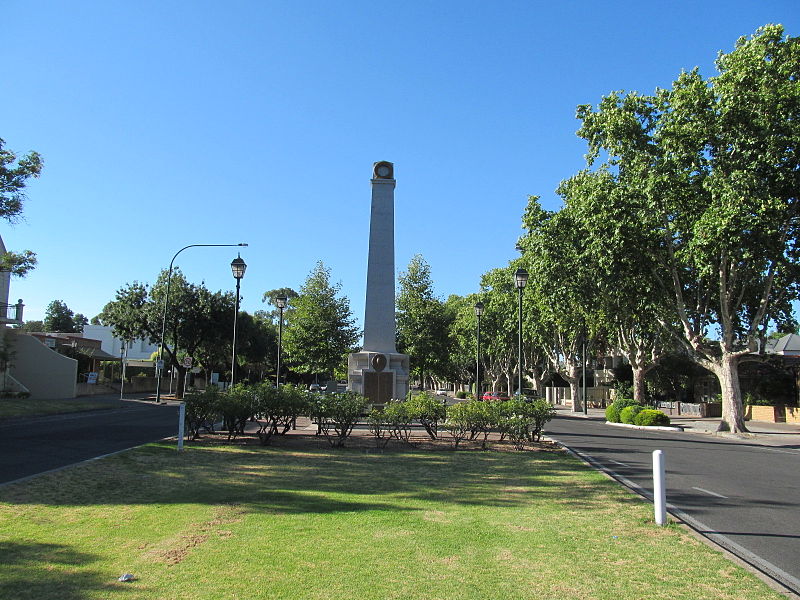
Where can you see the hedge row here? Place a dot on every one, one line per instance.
(276, 409)
(631, 412)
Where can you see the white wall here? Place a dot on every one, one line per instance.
(47, 374)
(137, 349)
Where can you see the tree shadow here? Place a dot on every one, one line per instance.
(297, 479)
(39, 571)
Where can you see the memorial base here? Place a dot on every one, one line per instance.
(378, 376)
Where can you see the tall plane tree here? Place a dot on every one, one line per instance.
(716, 169)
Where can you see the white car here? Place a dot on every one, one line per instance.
(441, 392)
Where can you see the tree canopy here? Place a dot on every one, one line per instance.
(321, 329)
(14, 175)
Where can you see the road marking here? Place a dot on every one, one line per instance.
(763, 567)
(784, 451)
(616, 462)
(709, 492)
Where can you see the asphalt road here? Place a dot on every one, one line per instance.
(35, 445)
(742, 495)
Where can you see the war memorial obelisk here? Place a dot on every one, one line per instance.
(378, 371)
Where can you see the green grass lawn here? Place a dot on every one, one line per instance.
(245, 522)
(25, 407)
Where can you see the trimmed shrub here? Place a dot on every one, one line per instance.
(542, 412)
(459, 422)
(613, 410)
(628, 414)
(202, 410)
(428, 410)
(237, 405)
(339, 414)
(649, 417)
(380, 427)
(398, 419)
(461, 394)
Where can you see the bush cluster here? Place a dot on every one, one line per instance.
(649, 417)
(614, 409)
(629, 411)
(275, 410)
(520, 420)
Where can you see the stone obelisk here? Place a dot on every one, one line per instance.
(378, 371)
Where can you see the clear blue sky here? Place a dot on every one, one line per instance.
(166, 123)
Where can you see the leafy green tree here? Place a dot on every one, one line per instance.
(30, 326)
(13, 179)
(270, 297)
(257, 344)
(499, 326)
(627, 304)
(59, 318)
(559, 298)
(321, 329)
(199, 323)
(716, 170)
(463, 337)
(422, 322)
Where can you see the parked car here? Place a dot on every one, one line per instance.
(496, 396)
(441, 392)
(528, 393)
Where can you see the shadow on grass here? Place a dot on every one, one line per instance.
(22, 565)
(298, 479)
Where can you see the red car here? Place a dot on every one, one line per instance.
(497, 396)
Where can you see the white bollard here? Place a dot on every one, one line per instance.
(659, 488)
(181, 420)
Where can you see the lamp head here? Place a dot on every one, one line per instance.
(521, 278)
(238, 267)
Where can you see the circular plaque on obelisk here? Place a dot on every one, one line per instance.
(379, 362)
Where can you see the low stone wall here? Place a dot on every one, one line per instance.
(772, 414)
(692, 409)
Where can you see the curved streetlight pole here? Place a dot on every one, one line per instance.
(478, 313)
(281, 302)
(166, 305)
(520, 279)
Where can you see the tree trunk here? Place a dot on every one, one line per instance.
(727, 373)
(181, 377)
(574, 380)
(638, 384)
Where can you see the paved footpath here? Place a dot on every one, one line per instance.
(740, 491)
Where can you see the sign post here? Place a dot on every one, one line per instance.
(181, 424)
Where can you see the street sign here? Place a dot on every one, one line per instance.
(187, 362)
(160, 365)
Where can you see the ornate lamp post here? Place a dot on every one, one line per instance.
(521, 280)
(281, 302)
(478, 313)
(238, 267)
(160, 363)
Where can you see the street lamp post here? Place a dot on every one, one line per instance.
(583, 370)
(281, 302)
(520, 279)
(166, 306)
(123, 354)
(238, 267)
(478, 313)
